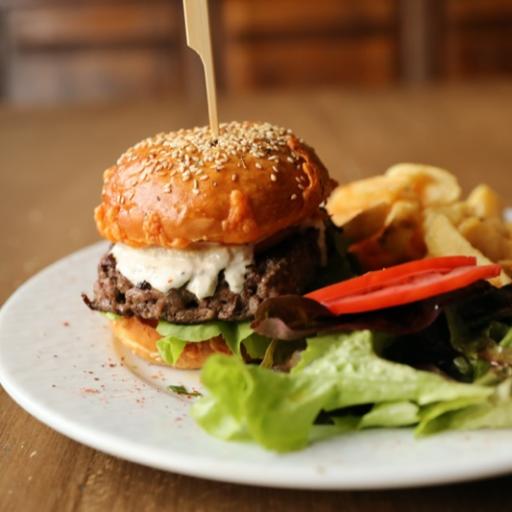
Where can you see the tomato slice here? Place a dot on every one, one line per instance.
(422, 286)
(389, 276)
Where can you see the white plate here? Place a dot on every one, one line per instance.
(57, 360)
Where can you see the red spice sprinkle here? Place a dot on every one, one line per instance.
(92, 391)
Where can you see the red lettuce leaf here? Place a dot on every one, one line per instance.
(292, 317)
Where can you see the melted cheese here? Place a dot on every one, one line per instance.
(196, 269)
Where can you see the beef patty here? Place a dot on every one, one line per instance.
(289, 267)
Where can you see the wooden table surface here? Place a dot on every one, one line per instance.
(50, 175)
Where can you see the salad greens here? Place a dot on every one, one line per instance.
(451, 372)
(335, 372)
(176, 336)
(182, 390)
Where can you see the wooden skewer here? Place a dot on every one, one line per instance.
(197, 24)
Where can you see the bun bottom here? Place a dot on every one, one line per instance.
(141, 339)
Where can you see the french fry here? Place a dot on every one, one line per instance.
(443, 239)
(484, 202)
(489, 236)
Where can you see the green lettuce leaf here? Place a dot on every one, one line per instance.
(170, 349)
(464, 414)
(391, 414)
(110, 316)
(385, 414)
(176, 336)
(278, 410)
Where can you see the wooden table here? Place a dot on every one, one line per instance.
(50, 166)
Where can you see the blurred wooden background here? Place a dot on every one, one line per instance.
(54, 51)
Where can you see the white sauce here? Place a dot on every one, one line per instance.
(198, 269)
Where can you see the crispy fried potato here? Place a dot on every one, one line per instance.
(443, 239)
(396, 244)
(507, 266)
(457, 212)
(400, 240)
(348, 201)
(484, 202)
(404, 211)
(367, 223)
(415, 210)
(432, 185)
(489, 236)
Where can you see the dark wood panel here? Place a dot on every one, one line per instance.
(289, 43)
(90, 50)
(268, 16)
(477, 39)
(72, 50)
(303, 63)
(478, 52)
(470, 10)
(94, 25)
(93, 74)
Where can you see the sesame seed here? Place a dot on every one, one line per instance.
(290, 159)
(293, 197)
(275, 169)
(188, 152)
(233, 177)
(273, 177)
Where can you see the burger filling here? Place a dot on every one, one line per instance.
(219, 283)
(197, 269)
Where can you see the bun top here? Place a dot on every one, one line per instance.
(186, 187)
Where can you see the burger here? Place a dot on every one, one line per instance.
(203, 230)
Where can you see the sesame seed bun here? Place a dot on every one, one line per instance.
(141, 339)
(184, 187)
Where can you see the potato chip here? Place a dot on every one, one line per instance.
(433, 186)
(348, 201)
(404, 211)
(443, 239)
(367, 223)
(396, 244)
